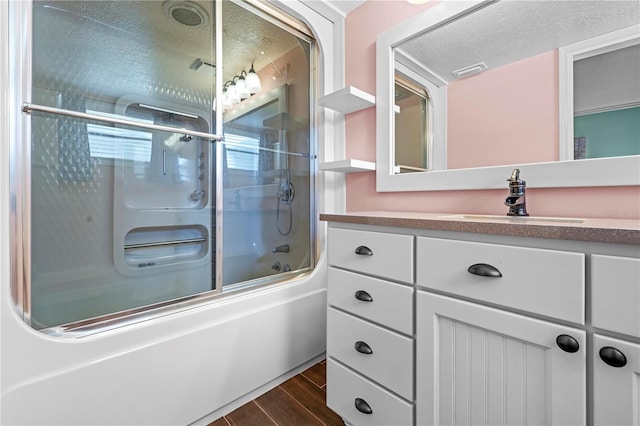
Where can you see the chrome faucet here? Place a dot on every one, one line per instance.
(516, 200)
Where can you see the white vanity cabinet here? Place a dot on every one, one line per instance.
(370, 338)
(479, 364)
(482, 328)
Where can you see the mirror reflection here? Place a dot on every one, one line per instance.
(607, 104)
(501, 84)
(412, 148)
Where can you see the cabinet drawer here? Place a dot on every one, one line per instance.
(545, 282)
(390, 362)
(615, 285)
(391, 304)
(391, 255)
(344, 387)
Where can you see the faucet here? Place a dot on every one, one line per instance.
(516, 200)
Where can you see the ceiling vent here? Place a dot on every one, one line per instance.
(470, 70)
(186, 13)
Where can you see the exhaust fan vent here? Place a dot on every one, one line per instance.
(186, 13)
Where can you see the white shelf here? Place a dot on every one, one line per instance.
(349, 99)
(348, 166)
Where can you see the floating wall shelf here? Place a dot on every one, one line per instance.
(348, 166)
(349, 99)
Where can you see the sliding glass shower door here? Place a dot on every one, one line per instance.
(136, 203)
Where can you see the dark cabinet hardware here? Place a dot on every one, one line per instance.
(364, 251)
(613, 357)
(484, 270)
(363, 296)
(363, 348)
(567, 343)
(362, 406)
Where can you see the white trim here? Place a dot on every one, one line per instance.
(567, 56)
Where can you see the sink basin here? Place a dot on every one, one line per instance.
(515, 219)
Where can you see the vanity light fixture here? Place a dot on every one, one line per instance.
(240, 87)
(253, 81)
(470, 70)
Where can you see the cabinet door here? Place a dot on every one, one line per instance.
(616, 382)
(479, 365)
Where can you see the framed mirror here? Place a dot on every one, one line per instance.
(500, 89)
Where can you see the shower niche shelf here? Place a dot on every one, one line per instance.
(157, 246)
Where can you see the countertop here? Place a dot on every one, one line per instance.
(614, 231)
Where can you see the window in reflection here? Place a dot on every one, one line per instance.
(412, 127)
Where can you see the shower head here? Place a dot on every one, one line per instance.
(195, 65)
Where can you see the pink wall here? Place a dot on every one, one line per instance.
(362, 26)
(525, 91)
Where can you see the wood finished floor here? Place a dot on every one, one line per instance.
(300, 401)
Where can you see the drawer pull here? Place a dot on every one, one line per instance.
(363, 348)
(484, 270)
(363, 296)
(613, 357)
(364, 251)
(362, 406)
(567, 343)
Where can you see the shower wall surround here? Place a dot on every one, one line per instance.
(106, 215)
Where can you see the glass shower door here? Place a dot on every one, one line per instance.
(122, 168)
(267, 160)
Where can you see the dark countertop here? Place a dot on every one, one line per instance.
(613, 231)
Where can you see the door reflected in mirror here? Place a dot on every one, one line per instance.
(412, 127)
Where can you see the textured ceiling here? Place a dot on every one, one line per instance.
(116, 48)
(511, 30)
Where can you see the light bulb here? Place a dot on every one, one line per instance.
(226, 102)
(232, 94)
(253, 81)
(241, 88)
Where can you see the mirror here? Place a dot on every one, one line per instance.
(499, 88)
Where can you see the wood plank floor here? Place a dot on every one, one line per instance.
(300, 401)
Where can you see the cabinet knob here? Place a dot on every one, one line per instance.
(362, 406)
(364, 251)
(613, 357)
(363, 348)
(363, 296)
(567, 343)
(484, 270)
